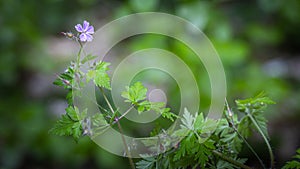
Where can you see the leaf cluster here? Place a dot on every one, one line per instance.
(68, 125)
(207, 143)
(295, 163)
(136, 94)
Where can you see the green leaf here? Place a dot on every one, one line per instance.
(99, 75)
(254, 107)
(72, 113)
(165, 112)
(69, 97)
(65, 79)
(69, 124)
(146, 163)
(67, 127)
(135, 93)
(199, 122)
(258, 102)
(144, 106)
(209, 126)
(202, 155)
(90, 75)
(187, 120)
(244, 127)
(295, 163)
(191, 149)
(98, 120)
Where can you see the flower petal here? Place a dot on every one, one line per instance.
(85, 25)
(90, 30)
(83, 37)
(89, 37)
(78, 28)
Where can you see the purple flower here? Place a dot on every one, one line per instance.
(85, 31)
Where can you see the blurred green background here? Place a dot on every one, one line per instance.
(258, 42)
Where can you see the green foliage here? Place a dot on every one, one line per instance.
(99, 75)
(146, 163)
(29, 56)
(65, 79)
(208, 143)
(203, 142)
(253, 108)
(135, 93)
(294, 164)
(68, 125)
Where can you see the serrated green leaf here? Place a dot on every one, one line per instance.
(209, 126)
(98, 120)
(69, 97)
(99, 75)
(165, 112)
(199, 121)
(90, 75)
(202, 155)
(76, 131)
(244, 127)
(261, 121)
(292, 165)
(135, 93)
(258, 102)
(101, 78)
(187, 120)
(146, 163)
(144, 106)
(295, 163)
(72, 113)
(67, 127)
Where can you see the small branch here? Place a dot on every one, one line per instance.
(230, 113)
(106, 100)
(126, 147)
(264, 137)
(124, 114)
(120, 128)
(249, 146)
(230, 160)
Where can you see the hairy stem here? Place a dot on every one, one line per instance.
(120, 128)
(124, 114)
(230, 120)
(230, 160)
(264, 137)
(78, 56)
(249, 146)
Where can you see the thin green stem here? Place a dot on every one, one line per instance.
(230, 160)
(106, 100)
(230, 114)
(120, 128)
(249, 146)
(264, 137)
(124, 114)
(125, 144)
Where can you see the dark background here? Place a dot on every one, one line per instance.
(258, 42)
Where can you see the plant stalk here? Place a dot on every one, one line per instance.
(230, 160)
(230, 120)
(120, 128)
(264, 137)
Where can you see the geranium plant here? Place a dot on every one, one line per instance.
(204, 143)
